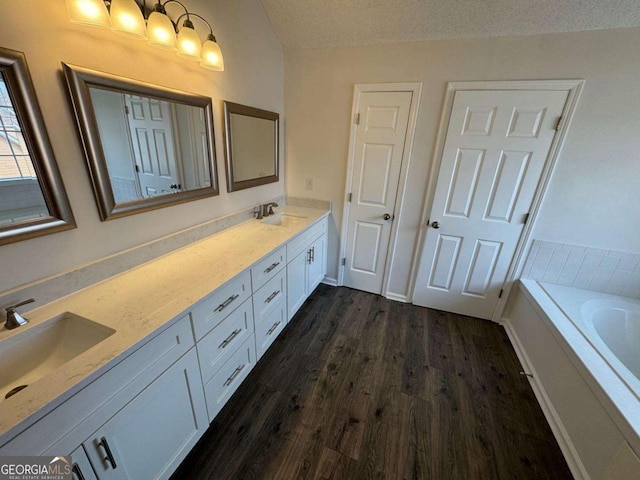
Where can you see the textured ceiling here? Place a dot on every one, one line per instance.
(332, 23)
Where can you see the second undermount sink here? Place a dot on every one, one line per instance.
(282, 219)
(33, 353)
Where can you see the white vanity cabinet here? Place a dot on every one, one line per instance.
(307, 266)
(141, 416)
(151, 435)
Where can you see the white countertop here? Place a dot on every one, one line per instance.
(140, 302)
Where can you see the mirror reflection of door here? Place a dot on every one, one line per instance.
(152, 147)
(20, 193)
(151, 128)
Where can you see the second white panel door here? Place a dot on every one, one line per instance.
(496, 147)
(379, 150)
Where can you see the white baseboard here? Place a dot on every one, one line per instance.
(559, 432)
(397, 297)
(330, 281)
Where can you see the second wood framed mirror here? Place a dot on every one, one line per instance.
(251, 146)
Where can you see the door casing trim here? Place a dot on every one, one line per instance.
(574, 88)
(416, 89)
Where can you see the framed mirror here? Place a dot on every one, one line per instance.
(147, 147)
(251, 146)
(33, 201)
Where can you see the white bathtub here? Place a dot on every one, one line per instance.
(610, 323)
(583, 349)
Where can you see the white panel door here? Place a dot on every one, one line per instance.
(379, 149)
(151, 126)
(496, 147)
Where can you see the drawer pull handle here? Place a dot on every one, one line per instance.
(313, 254)
(109, 458)
(226, 303)
(273, 265)
(272, 296)
(77, 472)
(233, 376)
(275, 325)
(309, 256)
(227, 340)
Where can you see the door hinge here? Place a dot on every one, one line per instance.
(343, 261)
(137, 168)
(558, 123)
(501, 292)
(525, 219)
(349, 197)
(357, 119)
(126, 110)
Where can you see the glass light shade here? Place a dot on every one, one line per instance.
(88, 12)
(212, 56)
(189, 44)
(160, 31)
(127, 19)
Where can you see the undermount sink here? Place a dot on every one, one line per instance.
(282, 219)
(29, 355)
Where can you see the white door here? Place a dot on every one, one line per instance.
(154, 151)
(379, 150)
(496, 146)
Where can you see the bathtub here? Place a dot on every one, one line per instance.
(581, 350)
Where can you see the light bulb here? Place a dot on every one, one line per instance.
(88, 12)
(160, 31)
(212, 55)
(188, 42)
(127, 19)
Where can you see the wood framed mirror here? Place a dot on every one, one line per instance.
(33, 201)
(146, 146)
(251, 146)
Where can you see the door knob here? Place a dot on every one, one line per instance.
(435, 225)
(386, 216)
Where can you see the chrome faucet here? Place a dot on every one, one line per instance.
(267, 209)
(14, 319)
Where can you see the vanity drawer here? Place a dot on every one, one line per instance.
(224, 300)
(266, 268)
(302, 241)
(229, 377)
(272, 294)
(220, 343)
(269, 329)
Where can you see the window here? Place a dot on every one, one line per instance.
(15, 161)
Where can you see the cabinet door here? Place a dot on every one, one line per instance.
(296, 283)
(317, 268)
(81, 468)
(152, 434)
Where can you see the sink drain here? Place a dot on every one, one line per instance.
(15, 390)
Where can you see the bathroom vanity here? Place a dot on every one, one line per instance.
(188, 328)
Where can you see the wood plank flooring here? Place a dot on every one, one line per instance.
(360, 387)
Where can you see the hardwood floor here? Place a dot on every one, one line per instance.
(360, 387)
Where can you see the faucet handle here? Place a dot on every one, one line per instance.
(12, 308)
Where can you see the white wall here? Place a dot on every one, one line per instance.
(594, 198)
(253, 76)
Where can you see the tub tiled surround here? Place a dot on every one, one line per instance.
(607, 271)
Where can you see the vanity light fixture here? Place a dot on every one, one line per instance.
(129, 18)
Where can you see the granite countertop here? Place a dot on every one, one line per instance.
(143, 301)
